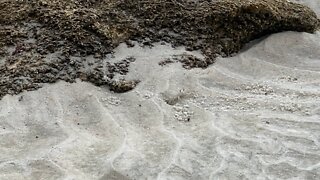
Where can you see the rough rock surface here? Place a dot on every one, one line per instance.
(67, 30)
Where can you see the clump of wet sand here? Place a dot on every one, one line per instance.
(68, 30)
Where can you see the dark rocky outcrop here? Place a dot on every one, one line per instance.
(95, 27)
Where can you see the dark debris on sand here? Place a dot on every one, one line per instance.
(30, 30)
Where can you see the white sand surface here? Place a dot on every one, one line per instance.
(252, 116)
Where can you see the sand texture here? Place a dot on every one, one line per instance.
(252, 116)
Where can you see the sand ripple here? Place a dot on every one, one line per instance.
(252, 116)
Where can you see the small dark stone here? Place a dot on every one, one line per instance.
(122, 86)
(129, 43)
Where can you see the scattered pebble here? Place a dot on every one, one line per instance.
(183, 113)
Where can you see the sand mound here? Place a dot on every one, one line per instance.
(252, 116)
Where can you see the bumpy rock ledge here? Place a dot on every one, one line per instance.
(72, 29)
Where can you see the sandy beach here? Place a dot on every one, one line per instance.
(255, 115)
